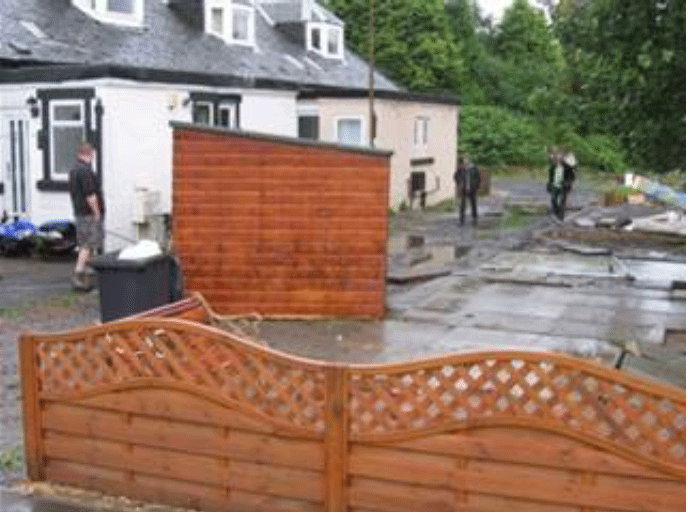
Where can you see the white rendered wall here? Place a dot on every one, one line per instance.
(137, 142)
(395, 131)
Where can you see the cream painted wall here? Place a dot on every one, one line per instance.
(395, 131)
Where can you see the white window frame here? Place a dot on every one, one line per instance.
(55, 174)
(98, 10)
(229, 8)
(232, 108)
(361, 119)
(424, 123)
(211, 111)
(324, 29)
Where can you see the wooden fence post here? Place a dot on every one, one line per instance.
(30, 408)
(336, 435)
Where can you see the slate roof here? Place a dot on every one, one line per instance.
(167, 41)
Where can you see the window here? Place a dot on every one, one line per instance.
(69, 116)
(118, 12)
(217, 19)
(309, 127)
(226, 116)
(203, 113)
(333, 41)
(349, 131)
(67, 133)
(325, 39)
(234, 23)
(121, 6)
(241, 24)
(315, 38)
(215, 109)
(420, 133)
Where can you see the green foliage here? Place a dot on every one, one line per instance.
(492, 135)
(598, 151)
(413, 41)
(12, 458)
(627, 62)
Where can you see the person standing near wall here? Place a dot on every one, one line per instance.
(87, 202)
(467, 179)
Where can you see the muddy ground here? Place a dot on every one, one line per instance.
(35, 295)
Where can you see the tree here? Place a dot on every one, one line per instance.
(627, 60)
(413, 41)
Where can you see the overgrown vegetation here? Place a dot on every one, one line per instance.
(603, 77)
(12, 458)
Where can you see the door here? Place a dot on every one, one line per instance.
(15, 163)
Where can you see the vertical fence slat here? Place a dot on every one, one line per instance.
(32, 422)
(335, 439)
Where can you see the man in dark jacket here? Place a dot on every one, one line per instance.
(87, 201)
(467, 179)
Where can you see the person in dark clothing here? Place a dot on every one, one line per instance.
(561, 175)
(467, 179)
(87, 202)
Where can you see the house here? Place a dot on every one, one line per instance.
(421, 130)
(117, 72)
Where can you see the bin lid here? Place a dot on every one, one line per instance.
(111, 261)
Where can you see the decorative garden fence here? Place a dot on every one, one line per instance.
(178, 412)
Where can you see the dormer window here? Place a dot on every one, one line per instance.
(325, 39)
(234, 23)
(117, 12)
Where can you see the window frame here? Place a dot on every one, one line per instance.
(98, 9)
(424, 140)
(228, 10)
(53, 124)
(325, 29)
(356, 117)
(211, 112)
(92, 114)
(218, 101)
(232, 107)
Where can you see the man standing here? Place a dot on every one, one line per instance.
(467, 179)
(561, 174)
(87, 201)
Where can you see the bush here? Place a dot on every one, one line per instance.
(599, 151)
(493, 136)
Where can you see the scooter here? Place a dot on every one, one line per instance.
(21, 237)
(57, 237)
(16, 237)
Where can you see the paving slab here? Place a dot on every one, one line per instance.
(13, 502)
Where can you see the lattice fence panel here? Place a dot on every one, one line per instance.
(536, 390)
(276, 387)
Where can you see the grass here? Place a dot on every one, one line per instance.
(12, 458)
(69, 300)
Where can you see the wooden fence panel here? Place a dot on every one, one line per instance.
(280, 227)
(172, 411)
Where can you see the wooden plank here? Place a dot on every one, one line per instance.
(183, 208)
(33, 444)
(515, 444)
(496, 478)
(208, 440)
(209, 471)
(403, 466)
(335, 438)
(491, 503)
(245, 501)
(141, 487)
(371, 494)
(177, 405)
(283, 482)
